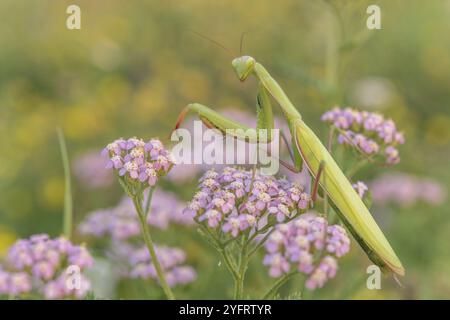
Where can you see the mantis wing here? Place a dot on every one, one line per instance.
(349, 205)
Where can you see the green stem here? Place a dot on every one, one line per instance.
(330, 139)
(229, 263)
(239, 282)
(68, 207)
(221, 248)
(271, 292)
(355, 168)
(148, 241)
(149, 201)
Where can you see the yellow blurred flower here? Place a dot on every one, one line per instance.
(80, 122)
(53, 193)
(111, 92)
(7, 238)
(150, 99)
(194, 85)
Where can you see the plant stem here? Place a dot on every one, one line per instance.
(330, 139)
(271, 292)
(355, 168)
(68, 207)
(149, 201)
(221, 248)
(229, 263)
(148, 241)
(239, 282)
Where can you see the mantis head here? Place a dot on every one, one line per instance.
(243, 66)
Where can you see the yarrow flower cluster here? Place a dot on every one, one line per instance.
(139, 265)
(236, 201)
(370, 132)
(89, 169)
(39, 265)
(120, 224)
(137, 161)
(292, 247)
(406, 190)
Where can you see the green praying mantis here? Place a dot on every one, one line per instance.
(308, 149)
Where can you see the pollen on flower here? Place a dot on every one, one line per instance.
(264, 197)
(137, 152)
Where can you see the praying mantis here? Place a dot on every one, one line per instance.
(308, 149)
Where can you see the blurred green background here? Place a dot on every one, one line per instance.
(134, 65)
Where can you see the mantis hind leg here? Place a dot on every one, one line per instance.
(297, 162)
(315, 188)
(296, 165)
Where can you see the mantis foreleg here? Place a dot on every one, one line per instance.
(213, 119)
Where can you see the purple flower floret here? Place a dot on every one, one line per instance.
(370, 132)
(40, 265)
(138, 161)
(14, 283)
(360, 188)
(293, 246)
(234, 201)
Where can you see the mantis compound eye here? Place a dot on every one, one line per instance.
(243, 66)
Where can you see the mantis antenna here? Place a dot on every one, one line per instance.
(241, 46)
(211, 40)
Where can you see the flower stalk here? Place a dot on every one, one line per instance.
(149, 242)
(277, 285)
(138, 166)
(68, 206)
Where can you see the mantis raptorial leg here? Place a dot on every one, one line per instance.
(214, 120)
(308, 148)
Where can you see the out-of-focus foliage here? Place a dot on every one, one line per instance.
(135, 64)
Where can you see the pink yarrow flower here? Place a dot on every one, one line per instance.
(137, 161)
(235, 201)
(39, 263)
(293, 246)
(369, 132)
